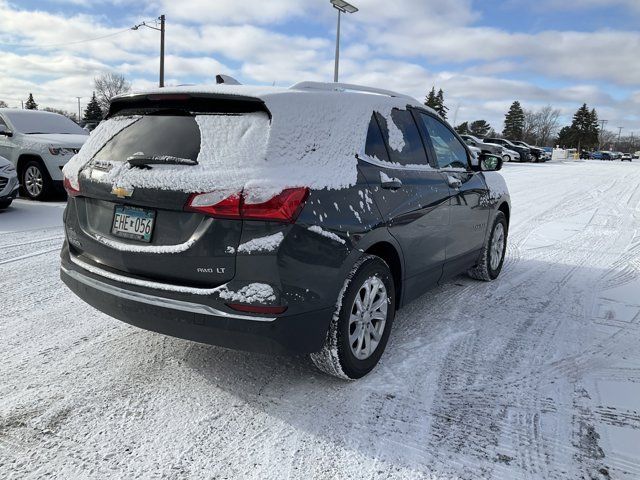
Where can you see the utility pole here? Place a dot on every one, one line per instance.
(162, 50)
(602, 124)
(619, 132)
(161, 30)
(79, 114)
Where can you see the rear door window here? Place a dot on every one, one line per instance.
(450, 152)
(404, 143)
(375, 146)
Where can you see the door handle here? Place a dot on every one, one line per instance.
(454, 182)
(390, 183)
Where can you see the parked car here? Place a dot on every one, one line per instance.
(602, 155)
(636, 155)
(253, 217)
(491, 148)
(626, 157)
(509, 155)
(548, 153)
(39, 144)
(8, 183)
(537, 154)
(524, 152)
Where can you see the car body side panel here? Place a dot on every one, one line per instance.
(469, 219)
(416, 215)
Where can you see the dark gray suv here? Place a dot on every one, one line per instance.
(271, 219)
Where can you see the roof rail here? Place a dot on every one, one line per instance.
(336, 86)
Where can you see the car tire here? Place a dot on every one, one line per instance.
(492, 257)
(506, 158)
(344, 354)
(35, 181)
(5, 203)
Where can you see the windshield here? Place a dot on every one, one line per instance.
(29, 122)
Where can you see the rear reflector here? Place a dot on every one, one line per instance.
(273, 309)
(71, 191)
(284, 207)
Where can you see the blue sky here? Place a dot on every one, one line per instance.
(484, 54)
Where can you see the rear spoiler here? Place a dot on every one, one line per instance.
(191, 101)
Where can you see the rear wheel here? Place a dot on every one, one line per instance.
(36, 183)
(506, 158)
(362, 321)
(492, 256)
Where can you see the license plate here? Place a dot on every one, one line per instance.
(133, 223)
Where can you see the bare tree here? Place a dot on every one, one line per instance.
(548, 124)
(107, 86)
(3, 104)
(540, 126)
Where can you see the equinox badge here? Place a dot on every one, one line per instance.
(122, 192)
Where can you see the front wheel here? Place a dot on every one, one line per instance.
(492, 257)
(362, 321)
(36, 183)
(506, 158)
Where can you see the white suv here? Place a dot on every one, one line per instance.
(39, 144)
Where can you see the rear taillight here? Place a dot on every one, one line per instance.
(71, 190)
(284, 207)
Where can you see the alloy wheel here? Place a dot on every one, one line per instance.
(33, 181)
(368, 317)
(497, 246)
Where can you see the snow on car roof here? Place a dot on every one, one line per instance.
(311, 139)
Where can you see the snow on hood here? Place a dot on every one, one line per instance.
(311, 140)
(63, 140)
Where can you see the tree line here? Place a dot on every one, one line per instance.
(106, 86)
(542, 127)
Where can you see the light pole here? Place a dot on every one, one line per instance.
(79, 114)
(342, 7)
(161, 30)
(602, 124)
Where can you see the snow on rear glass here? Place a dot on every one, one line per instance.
(310, 140)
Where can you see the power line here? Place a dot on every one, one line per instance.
(77, 42)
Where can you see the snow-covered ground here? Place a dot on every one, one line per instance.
(536, 375)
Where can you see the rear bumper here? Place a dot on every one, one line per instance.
(188, 319)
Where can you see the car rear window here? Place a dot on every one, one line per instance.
(154, 135)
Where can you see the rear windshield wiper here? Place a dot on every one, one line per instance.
(145, 161)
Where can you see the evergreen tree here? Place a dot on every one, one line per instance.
(431, 100)
(441, 108)
(31, 103)
(93, 113)
(583, 132)
(463, 128)
(479, 128)
(514, 122)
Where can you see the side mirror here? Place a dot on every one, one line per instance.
(486, 162)
(490, 162)
(5, 132)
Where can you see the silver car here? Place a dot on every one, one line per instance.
(8, 183)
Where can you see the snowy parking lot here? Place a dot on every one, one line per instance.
(535, 375)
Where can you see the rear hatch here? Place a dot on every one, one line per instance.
(143, 230)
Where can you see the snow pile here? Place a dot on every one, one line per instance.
(311, 140)
(252, 293)
(103, 133)
(262, 244)
(324, 233)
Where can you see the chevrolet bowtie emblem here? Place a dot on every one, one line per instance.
(121, 192)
